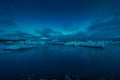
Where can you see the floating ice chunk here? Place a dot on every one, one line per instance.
(17, 46)
(87, 44)
(56, 42)
(31, 42)
(44, 38)
(72, 43)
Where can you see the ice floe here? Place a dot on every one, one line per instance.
(30, 43)
(86, 43)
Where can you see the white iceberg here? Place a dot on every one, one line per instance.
(18, 46)
(98, 44)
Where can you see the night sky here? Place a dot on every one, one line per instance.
(83, 19)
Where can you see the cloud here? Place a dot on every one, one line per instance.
(105, 30)
(7, 23)
(48, 32)
(18, 35)
(105, 24)
(70, 27)
(1, 30)
(78, 35)
(7, 19)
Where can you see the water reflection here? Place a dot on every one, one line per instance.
(59, 59)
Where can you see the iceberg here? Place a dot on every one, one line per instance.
(19, 46)
(98, 44)
(57, 42)
(92, 44)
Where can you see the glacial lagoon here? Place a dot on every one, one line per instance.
(48, 59)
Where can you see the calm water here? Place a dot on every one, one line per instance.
(47, 59)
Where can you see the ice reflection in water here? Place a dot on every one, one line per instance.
(58, 59)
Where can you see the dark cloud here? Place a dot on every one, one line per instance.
(104, 13)
(45, 32)
(7, 18)
(7, 23)
(48, 32)
(23, 34)
(1, 30)
(70, 27)
(18, 35)
(79, 35)
(106, 22)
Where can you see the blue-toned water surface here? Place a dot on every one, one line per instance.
(48, 59)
